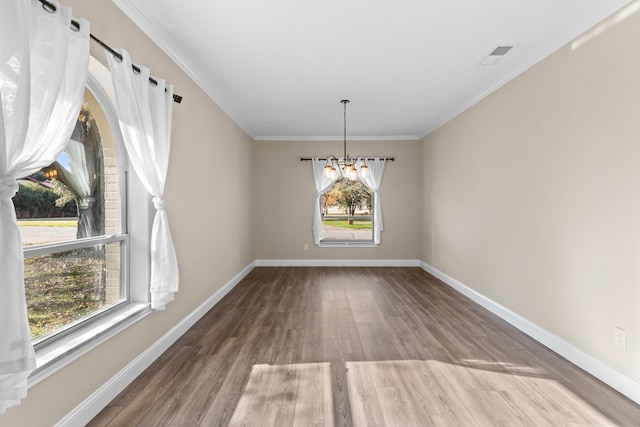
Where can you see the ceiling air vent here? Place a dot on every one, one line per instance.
(495, 55)
(501, 50)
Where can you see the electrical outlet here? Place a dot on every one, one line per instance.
(619, 337)
(306, 246)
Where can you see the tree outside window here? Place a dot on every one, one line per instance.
(346, 212)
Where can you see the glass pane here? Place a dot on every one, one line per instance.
(37, 231)
(346, 212)
(76, 196)
(65, 287)
(347, 228)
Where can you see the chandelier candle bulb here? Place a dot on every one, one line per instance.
(364, 171)
(350, 172)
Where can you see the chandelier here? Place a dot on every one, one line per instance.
(346, 165)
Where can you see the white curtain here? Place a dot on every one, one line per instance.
(322, 184)
(78, 179)
(78, 175)
(43, 72)
(376, 170)
(144, 112)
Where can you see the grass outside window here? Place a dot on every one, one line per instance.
(357, 224)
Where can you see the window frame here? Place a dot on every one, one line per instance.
(360, 243)
(136, 215)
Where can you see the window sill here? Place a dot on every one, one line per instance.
(347, 245)
(60, 353)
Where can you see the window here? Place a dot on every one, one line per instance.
(328, 191)
(74, 233)
(346, 209)
(75, 216)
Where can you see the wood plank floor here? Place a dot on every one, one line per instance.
(360, 347)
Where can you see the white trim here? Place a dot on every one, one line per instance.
(337, 263)
(593, 366)
(55, 356)
(346, 244)
(98, 400)
(268, 138)
(71, 245)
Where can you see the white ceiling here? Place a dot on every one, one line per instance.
(279, 68)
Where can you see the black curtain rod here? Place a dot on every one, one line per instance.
(308, 159)
(50, 7)
(176, 98)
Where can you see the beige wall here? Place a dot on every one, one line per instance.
(284, 197)
(211, 223)
(532, 197)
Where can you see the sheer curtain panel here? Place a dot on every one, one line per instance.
(376, 170)
(144, 112)
(77, 178)
(43, 72)
(322, 184)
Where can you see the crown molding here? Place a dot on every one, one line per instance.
(570, 35)
(156, 36)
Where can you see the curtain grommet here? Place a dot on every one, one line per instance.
(49, 7)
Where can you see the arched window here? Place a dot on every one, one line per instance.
(76, 217)
(71, 216)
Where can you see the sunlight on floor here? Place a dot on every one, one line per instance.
(417, 393)
(286, 395)
(599, 29)
(413, 393)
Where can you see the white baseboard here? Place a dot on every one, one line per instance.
(603, 372)
(337, 263)
(92, 405)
